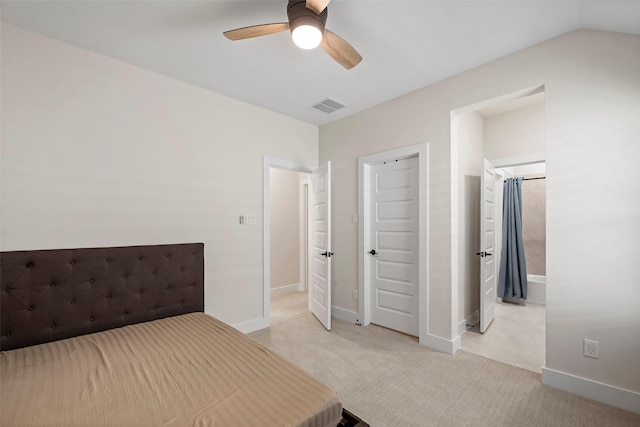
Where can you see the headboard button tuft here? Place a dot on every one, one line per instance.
(29, 264)
(92, 319)
(8, 289)
(7, 334)
(31, 308)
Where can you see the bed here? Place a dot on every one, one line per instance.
(118, 337)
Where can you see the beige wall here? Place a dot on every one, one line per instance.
(515, 133)
(97, 152)
(284, 228)
(534, 224)
(592, 87)
(470, 149)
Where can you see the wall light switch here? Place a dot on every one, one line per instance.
(251, 220)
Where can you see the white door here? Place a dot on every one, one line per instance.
(394, 240)
(320, 259)
(487, 250)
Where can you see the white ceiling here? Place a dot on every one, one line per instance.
(405, 44)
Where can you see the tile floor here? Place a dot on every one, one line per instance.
(516, 337)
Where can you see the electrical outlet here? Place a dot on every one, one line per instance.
(354, 218)
(592, 348)
(354, 294)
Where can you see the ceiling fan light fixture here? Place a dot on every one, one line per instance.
(307, 27)
(306, 36)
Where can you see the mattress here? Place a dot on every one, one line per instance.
(188, 370)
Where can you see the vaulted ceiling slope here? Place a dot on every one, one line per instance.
(406, 45)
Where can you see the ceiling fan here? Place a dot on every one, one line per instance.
(307, 21)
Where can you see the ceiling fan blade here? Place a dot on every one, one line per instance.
(340, 50)
(256, 31)
(317, 5)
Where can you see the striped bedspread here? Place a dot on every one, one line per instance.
(188, 370)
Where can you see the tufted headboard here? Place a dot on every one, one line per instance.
(49, 295)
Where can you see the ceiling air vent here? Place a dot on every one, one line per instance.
(328, 106)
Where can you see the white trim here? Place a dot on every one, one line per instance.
(285, 289)
(345, 315)
(519, 161)
(303, 217)
(252, 325)
(267, 164)
(471, 320)
(499, 99)
(453, 179)
(364, 163)
(441, 344)
(611, 395)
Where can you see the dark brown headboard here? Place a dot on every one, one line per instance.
(49, 295)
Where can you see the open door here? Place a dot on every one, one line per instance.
(487, 251)
(320, 259)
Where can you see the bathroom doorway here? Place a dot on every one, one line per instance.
(511, 134)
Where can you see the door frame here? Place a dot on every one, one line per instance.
(267, 164)
(303, 232)
(364, 263)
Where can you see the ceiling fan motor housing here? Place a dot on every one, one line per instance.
(299, 14)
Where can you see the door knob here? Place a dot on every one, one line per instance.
(483, 254)
(373, 252)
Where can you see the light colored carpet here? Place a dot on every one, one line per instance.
(388, 379)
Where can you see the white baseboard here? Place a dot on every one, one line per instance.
(345, 315)
(441, 344)
(594, 390)
(285, 289)
(253, 325)
(471, 320)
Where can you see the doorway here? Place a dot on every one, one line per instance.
(517, 335)
(288, 224)
(510, 132)
(317, 239)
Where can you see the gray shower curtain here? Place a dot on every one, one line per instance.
(512, 280)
